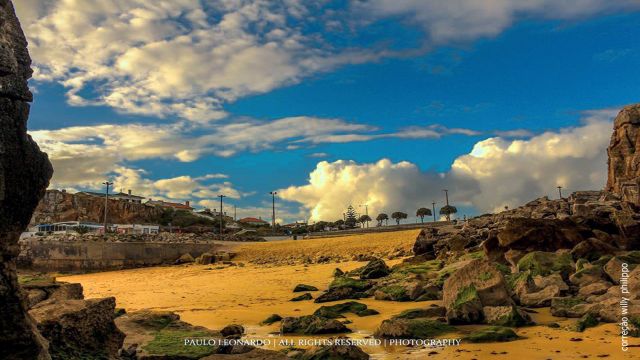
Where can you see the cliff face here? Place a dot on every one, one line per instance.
(58, 206)
(24, 175)
(624, 155)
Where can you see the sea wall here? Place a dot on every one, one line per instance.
(81, 256)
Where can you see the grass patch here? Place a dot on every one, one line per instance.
(170, 342)
(30, 279)
(504, 269)
(465, 295)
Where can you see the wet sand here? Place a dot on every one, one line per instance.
(211, 296)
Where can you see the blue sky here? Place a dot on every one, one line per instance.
(419, 99)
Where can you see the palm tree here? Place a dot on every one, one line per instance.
(447, 210)
(382, 217)
(399, 215)
(422, 212)
(364, 219)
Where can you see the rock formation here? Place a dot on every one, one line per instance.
(57, 206)
(24, 176)
(624, 155)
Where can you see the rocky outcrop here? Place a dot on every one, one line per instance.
(79, 329)
(624, 155)
(57, 206)
(24, 175)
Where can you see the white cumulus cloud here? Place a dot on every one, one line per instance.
(496, 173)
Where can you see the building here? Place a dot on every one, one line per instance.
(170, 205)
(67, 226)
(253, 221)
(128, 197)
(136, 229)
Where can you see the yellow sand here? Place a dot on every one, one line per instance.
(212, 297)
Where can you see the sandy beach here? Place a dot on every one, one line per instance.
(215, 296)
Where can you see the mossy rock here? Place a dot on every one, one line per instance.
(393, 293)
(632, 257)
(510, 318)
(430, 266)
(303, 297)
(504, 269)
(170, 344)
(587, 321)
(467, 294)
(515, 279)
(429, 312)
(336, 311)
(347, 282)
(304, 287)
(412, 329)
(271, 319)
(492, 334)
(580, 263)
(545, 263)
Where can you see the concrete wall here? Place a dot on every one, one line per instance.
(96, 256)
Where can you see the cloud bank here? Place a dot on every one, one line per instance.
(496, 173)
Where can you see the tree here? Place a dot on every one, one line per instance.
(422, 212)
(82, 229)
(364, 219)
(351, 219)
(399, 215)
(339, 223)
(447, 210)
(382, 217)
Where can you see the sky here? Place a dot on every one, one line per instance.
(331, 103)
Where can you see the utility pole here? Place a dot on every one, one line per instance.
(560, 191)
(221, 219)
(446, 196)
(273, 208)
(235, 214)
(106, 203)
(433, 204)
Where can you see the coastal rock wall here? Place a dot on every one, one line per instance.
(57, 206)
(24, 175)
(624, 155)
(80, 256)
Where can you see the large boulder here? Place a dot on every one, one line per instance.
(329, 352)
(24, 175)
(78, 329)
(472, 287)
(413, 328)
(311, 325)
(624, 155)
(375, 269)
(530, 234)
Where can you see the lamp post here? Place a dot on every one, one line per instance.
(106, 203)
(433, 204)
(560, 191)
(273, 210)
(221, 219)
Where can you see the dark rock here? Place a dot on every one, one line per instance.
(430, 312)
(303, 287)
(78, 329)
(587, 321)
(305, 296)
(232, 331)
(491, 334)
(569, 307)
(24, 175)
(539, 234)
(375, 269)
(311, 325)
(271, 319)
(336, 311)
(592, 249)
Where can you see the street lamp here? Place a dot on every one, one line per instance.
(433, 204)
(273, 210)
(106, 203)
(221, 219)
